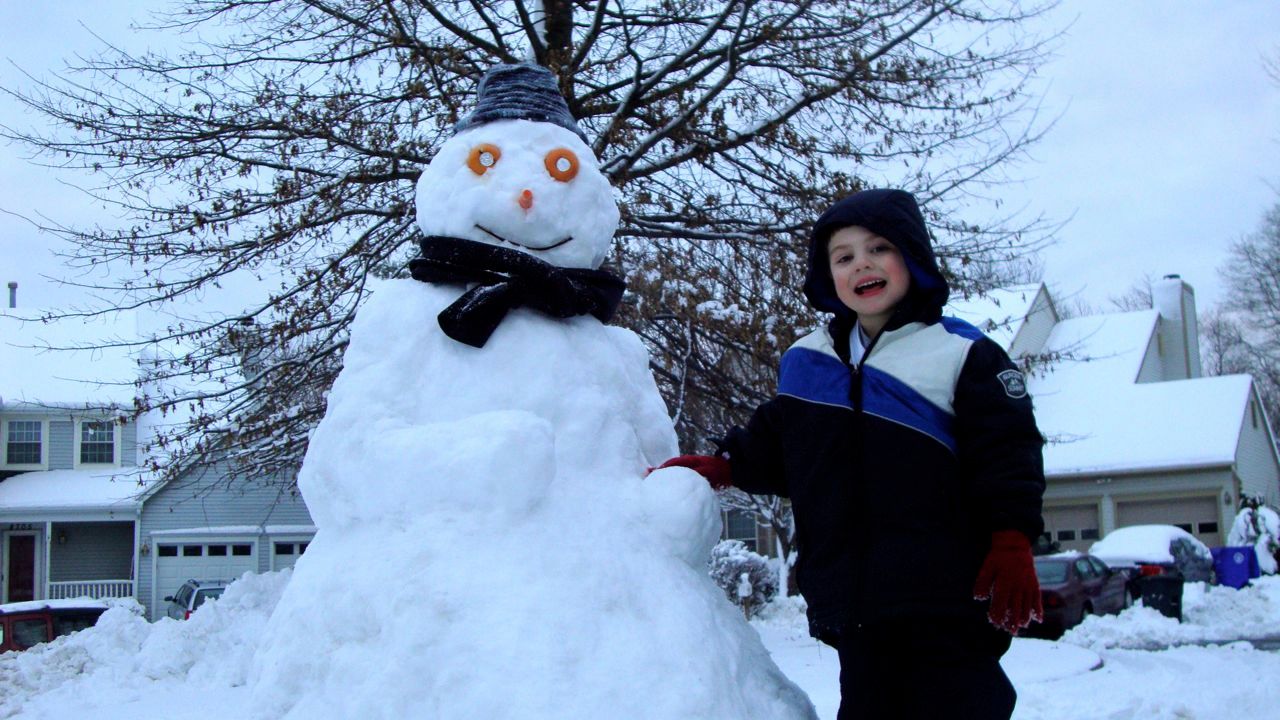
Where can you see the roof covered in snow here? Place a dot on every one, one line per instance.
(1097, 417)
(997, 313)
(80, 362)
(71, 489)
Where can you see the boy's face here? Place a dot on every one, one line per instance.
(869, 274)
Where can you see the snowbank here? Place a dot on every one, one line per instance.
(1211, 614)
(124, 655)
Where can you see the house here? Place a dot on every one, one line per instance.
(79, 513)
(1136, 433)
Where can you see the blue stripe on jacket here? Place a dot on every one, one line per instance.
(885, 396)
(814, 376)
(818, 377)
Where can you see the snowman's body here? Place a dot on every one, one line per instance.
(489, 545)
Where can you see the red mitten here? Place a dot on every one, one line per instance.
(1008, 577)
(715, 469)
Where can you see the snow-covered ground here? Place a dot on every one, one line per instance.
(128, 668)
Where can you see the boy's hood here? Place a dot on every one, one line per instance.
(894, 216)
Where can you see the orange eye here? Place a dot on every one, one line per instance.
(483, 157)
(562, 164)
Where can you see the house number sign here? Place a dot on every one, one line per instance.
(21, 526)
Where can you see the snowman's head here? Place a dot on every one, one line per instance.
(518, 174)
(526, 185)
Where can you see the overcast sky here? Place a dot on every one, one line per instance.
(1166, 148)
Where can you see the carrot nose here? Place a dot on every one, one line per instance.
(526, 199)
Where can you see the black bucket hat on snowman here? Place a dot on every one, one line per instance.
(520, 92)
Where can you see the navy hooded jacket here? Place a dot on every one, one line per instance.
(901, 463)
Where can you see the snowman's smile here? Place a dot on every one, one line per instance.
(499, 238)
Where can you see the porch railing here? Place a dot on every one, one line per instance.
(91, 588)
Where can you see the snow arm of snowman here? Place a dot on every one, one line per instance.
(653, 426)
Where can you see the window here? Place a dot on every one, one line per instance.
(97, 442)
(284, 548)
(27, 633)
(1253, 413)
(241, 550)
(168, 551)
(1184, 526)
(217, 551)
(192, 550)
(23, 442)
(1207, 528)
(1085, 568)
(740, 525)
(1066, 535)
(1089, 534)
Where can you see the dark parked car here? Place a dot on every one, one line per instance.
(192, 595)
(26, 624)
(1073, 586)
(1146, 550)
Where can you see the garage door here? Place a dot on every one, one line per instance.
(1074, 527)
(177, 562)
(285, 553)
(1196, 515)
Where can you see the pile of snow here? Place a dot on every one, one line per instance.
(1210, 614)
(123, 655)
(1259, 527)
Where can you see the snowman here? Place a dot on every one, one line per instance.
(488, 542)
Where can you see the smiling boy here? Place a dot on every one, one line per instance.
(907, 445)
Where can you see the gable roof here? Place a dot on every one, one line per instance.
(998, 313)
(1097, 417)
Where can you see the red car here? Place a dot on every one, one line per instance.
(26, 624)
(1073, 585)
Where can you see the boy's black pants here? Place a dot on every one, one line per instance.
(924, 669)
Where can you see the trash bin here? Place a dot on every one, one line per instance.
(1236, 565)
(1163, 593)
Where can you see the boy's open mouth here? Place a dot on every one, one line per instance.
(869, 286)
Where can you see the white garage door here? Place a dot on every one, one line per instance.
(178, 561)
(1074, 527)
(1196, 515)
(285, 553)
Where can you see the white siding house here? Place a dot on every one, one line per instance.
(1136, 433)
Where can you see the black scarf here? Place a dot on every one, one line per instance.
(504, 279)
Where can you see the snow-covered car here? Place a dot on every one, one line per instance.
(27, 624)
(1148, 550)
(192, 595)
(1073, 586)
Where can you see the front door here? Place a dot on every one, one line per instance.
(20, 568)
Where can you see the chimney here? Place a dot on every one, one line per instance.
(1179, 330)
(13, 294)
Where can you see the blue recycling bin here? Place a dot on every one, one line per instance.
(1236, 565)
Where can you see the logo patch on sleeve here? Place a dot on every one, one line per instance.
(1015, 386)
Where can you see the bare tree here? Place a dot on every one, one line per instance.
(284, 139)
(1244, 335)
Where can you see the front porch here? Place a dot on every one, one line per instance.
(58, 560)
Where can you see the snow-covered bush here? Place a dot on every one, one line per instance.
(746, 577)
(1259, 526)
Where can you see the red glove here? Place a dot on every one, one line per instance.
(1008, 577)
(712, 467)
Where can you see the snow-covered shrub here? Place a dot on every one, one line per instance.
(746, 577)
(1259, 526)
